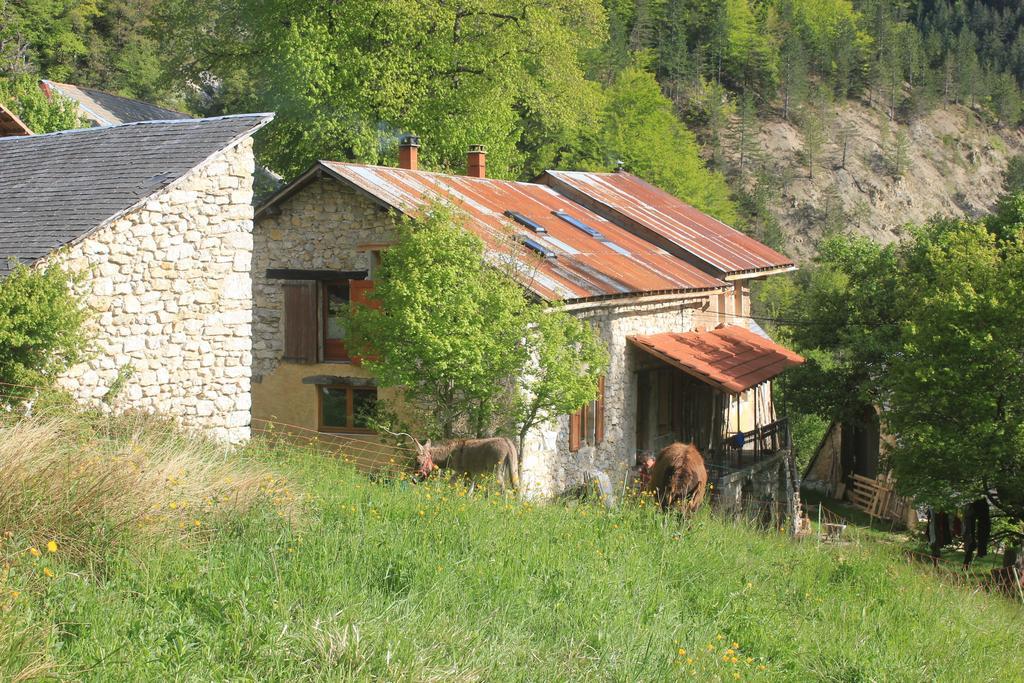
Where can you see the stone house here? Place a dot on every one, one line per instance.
(157, 218)
(663, 284)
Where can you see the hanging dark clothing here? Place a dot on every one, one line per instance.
(939, 532)
(977, 529)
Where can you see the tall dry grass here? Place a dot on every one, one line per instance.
(89, 484)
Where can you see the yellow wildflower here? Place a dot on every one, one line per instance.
(34, 551)
(720, 636)
(173, 505)
(197, 523)
(48, 572)
(52, 546)
(689, 660)
(761, 667)
(682, 652)
(735, 646)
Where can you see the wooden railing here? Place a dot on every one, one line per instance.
(746, 448)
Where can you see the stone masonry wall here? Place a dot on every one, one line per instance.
(171, 290)
(548, 466)
(320, 227)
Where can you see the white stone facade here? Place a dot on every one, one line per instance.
(548, 466)
(325, 226)
(170, 286)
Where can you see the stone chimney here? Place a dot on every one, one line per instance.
(476, 162)
(409, 152)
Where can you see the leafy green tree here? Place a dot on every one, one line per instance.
(40, 329)
(566, 360)
(640, 129)
(955, 388)
(449, 329)
(471, 354)
(750, 56)
(845, 319)
(345, 78)
(49, 35)
(22, 95)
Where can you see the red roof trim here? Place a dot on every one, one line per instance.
(730, 358)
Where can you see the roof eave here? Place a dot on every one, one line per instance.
(755, 273)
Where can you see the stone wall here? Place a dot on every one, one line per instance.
(757, 492)
(320, 227)
(170, 286)
(549, 467)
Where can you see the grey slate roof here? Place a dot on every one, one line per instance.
(103, 109)
(58, 187)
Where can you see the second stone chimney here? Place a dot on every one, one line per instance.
(409, 152)
(476, 162)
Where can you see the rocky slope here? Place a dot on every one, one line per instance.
(952, 164)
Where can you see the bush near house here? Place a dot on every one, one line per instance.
(40, 329)
(454, 328)
(383, 580)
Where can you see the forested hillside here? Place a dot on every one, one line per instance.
(790, 118)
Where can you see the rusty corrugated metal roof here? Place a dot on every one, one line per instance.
(730, 357)
(11, 125)
(665, 220)
(617, 263)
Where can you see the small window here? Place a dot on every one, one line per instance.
(527, 222)
(375, 262)
(534, 245)
(578, 224)
(345, 408)
(586, 425)
(336, 305)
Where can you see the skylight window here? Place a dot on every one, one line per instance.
(524, 221)
(536, 246)
(577, 223)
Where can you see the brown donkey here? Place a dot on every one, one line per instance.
(678, 477)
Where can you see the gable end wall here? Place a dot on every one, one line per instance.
(169, 284)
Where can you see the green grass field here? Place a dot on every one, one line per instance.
(321, 574)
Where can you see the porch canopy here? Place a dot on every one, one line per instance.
(730, 357)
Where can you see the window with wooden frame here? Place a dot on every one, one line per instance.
(334, 297)
(344, 408)
(315, 315)
(586, 425)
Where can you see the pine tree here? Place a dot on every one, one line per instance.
(745, 133)
(793, 72)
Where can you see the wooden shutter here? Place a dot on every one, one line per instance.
(599, 413)
(360, 293)
(300, 322)
(574, 430)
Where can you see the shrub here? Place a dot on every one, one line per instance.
(40, 329)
